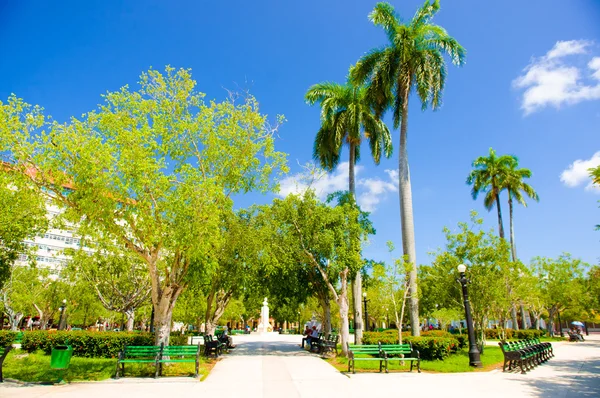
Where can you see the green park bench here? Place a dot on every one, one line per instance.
(526, 354)
(136, 354)
(179, 354)
(3, 353)
(364, 352)
(405, 351)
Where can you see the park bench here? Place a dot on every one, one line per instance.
(526, 354)
(179, 354)
(329, 344)
(405, 351)
(3, 353)
(314, 343)
(212, 346)
(364, 352)
(136, 354)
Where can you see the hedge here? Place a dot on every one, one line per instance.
(84, 343)
(514, 334)
(7, 337)
(430, 347)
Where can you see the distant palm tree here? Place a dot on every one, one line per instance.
(413, 58)
(516, 187)
(346, 119)
(488, 176)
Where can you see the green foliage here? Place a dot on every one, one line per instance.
(345, 115)
(514, 334)
(22, 213)
(490, 273)
(413, 58)
(430, 347)
(6, 338)
(152, 170)
(84, 343)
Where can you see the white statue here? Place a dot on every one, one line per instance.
(264, 325)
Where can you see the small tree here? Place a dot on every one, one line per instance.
(118, 278)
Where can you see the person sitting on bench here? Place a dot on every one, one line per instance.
(306, 333)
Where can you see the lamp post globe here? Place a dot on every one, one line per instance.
(474, 356)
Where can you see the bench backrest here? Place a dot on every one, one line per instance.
(397, 348)
(369, 349)
(141, 351)
(180, 350)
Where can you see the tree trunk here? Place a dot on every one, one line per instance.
(513, 316)
(219, 301)
(523, 318)
(344, 327)
(130, 315)
(513, 247)
(357, 282)
(500, 226)
(326, 305)
(15, 319)
(163, 312)
(406, 215)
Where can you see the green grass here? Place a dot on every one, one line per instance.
(35, 367)
(491, 359)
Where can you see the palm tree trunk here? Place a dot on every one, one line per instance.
(357, 282)
(513, 247)
(500, 226)
(406, 215)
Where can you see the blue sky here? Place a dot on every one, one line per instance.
(520, 92)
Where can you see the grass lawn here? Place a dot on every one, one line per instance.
(491, 359)
(35, 367)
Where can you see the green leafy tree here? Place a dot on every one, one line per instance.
(152, 169)
(322, 237)
(561, 284)
(236, 265)
(347, 118)
(490, 273)
(413, 59)
(118, 277)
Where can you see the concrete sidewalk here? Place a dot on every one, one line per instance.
(275, 366)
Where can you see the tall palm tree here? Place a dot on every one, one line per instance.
(347, 118)
(413, 58)
(516, 187)
(488, 176)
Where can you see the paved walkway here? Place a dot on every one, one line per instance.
(274, 366)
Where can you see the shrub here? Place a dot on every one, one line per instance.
(7, 337)
(84, 343)
(496, 333)
(178, 339)
(430, 347)
(528, 334)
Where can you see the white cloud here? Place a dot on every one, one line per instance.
(369, 191)
(578, 173)
(549, 80)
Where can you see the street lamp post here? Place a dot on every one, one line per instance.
(474, 359)
(62, 308)
(366, 312)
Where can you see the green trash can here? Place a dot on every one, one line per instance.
(60, 357)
